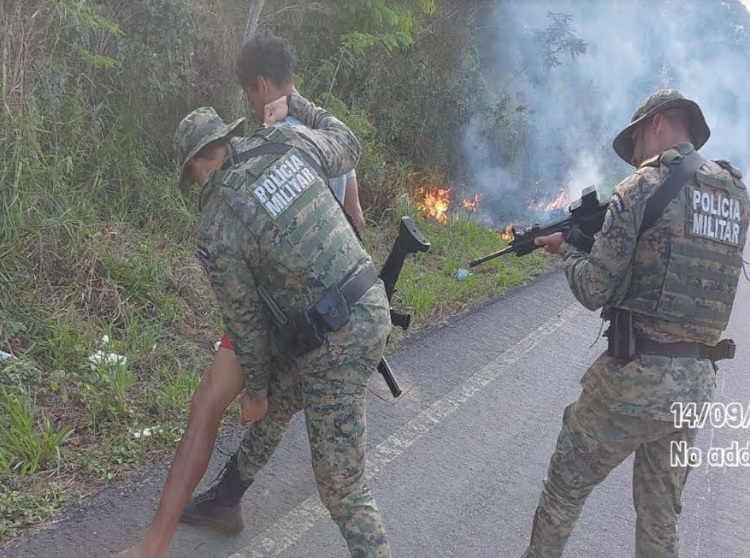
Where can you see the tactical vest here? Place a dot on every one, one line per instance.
(306, 243)
(696, 281)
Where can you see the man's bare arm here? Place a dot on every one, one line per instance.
(221, 385)
(352, 205)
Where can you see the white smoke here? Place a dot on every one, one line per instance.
(584, 172)
(700, 47)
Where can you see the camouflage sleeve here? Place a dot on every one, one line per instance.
(225, 258)
(329, 139)
(597, 277)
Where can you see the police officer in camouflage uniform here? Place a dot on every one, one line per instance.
(305, 311)
(669, 286)
(265, 71)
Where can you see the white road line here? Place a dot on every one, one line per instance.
(708, 470)
(290, 528)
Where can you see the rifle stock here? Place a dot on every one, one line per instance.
(586, 213)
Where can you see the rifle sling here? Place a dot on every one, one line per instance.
(273, 149)
(679, 174)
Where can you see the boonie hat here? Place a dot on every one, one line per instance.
(196, 131)
(659, 101)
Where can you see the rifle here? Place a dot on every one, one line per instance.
(408, 241)
(587, 213)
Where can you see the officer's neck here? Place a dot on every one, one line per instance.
(203, 167)
(672, 139)
(683, 147)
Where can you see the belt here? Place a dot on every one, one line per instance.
(358, 283)
(307, 330)
(331, 310)
(725, 349)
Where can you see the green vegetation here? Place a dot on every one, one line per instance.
(428, 286)
(96, 240)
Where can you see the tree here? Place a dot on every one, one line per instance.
(256, 6)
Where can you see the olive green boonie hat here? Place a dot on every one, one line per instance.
(662, 100)
(196, 131)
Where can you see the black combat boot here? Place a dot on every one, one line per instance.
(219, 506)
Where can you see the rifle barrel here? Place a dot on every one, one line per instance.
(507, 250)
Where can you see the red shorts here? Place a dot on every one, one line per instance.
(226, 343)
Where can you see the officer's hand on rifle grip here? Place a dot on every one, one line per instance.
(550, 243)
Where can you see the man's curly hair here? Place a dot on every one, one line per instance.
(265, 55)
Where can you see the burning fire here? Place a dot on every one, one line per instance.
(471, 205)
(433, 202)
(560, 202)
(507, 233)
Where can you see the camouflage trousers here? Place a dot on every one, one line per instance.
(331, 388)
(592, 442)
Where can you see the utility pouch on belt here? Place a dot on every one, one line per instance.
(307, 329)
(332, 309)
(724, 349)
(621, 336)
(624, 345)
(303, 334)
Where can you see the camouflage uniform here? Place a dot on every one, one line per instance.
(626, 408)
(272, 238)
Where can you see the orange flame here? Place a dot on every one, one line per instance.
(471, 205)
(507, 233)
(559, 202)
(433, 202)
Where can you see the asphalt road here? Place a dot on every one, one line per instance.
(456, 463)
